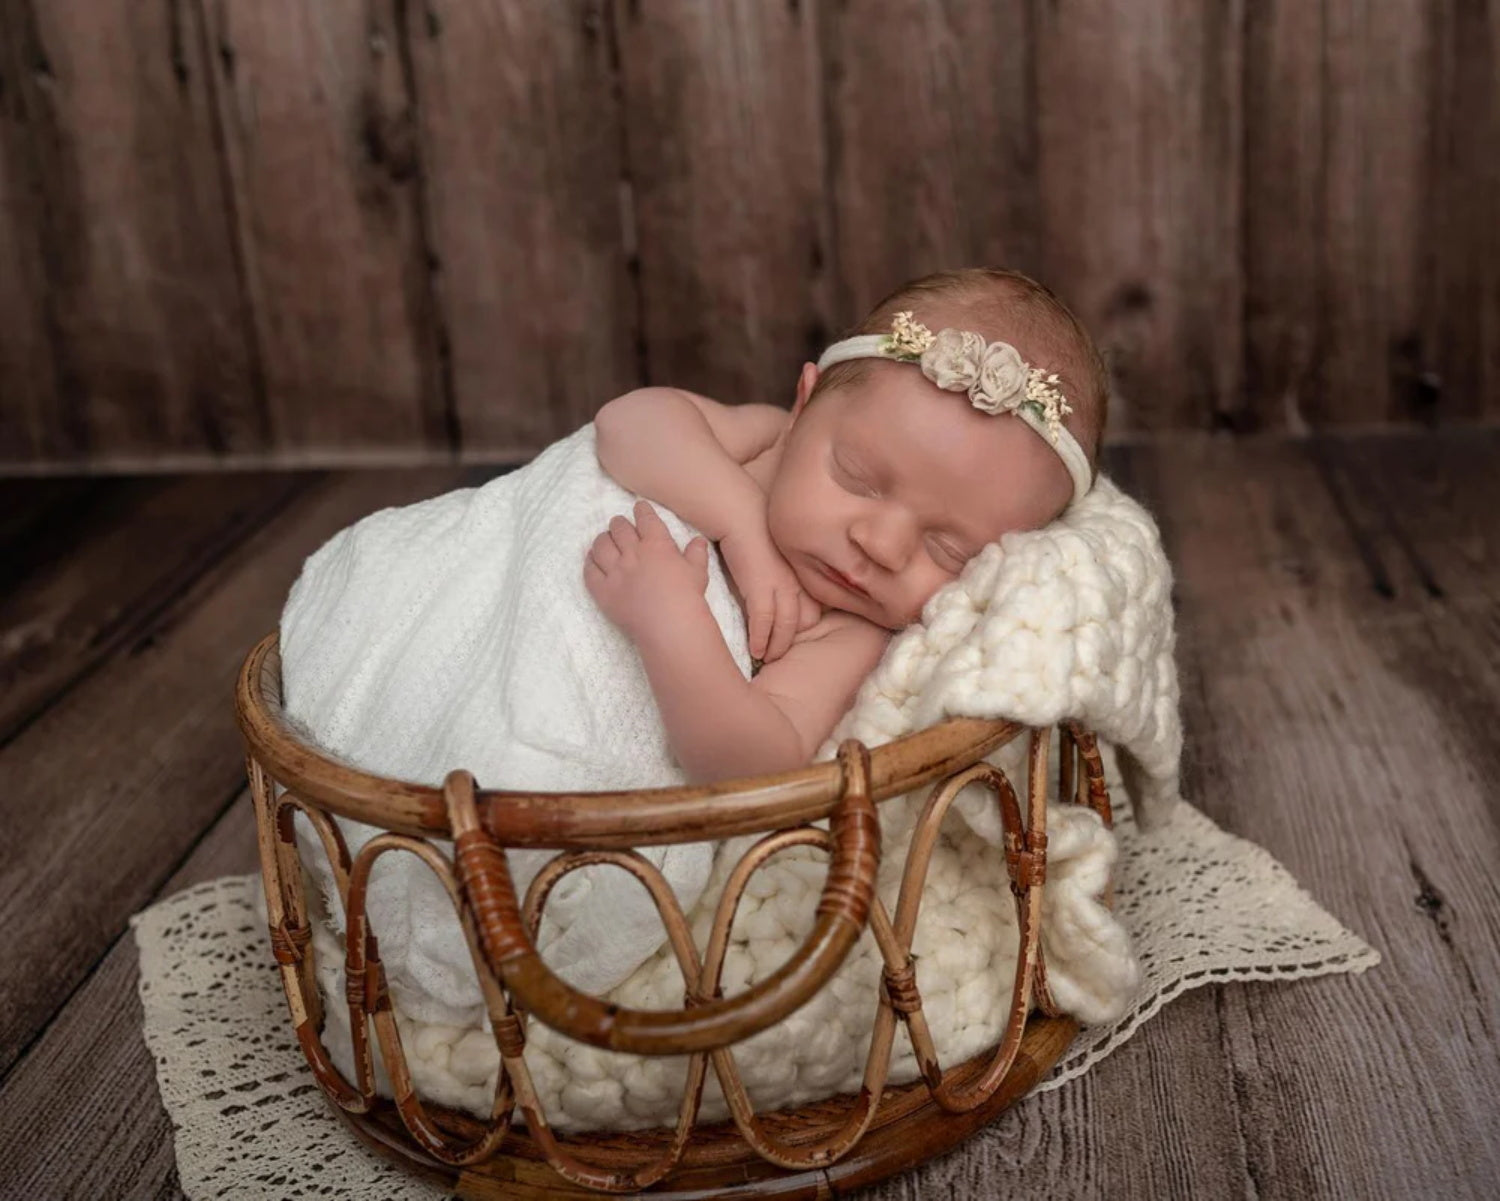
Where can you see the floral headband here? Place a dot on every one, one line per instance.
(996, 377)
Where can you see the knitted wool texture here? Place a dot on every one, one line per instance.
(1073, 620)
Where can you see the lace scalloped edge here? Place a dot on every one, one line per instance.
(1076, 1063)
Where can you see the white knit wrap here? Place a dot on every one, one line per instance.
(457, 633)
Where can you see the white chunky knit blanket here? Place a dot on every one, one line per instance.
(1070, 621)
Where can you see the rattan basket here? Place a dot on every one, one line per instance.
(813, 1150)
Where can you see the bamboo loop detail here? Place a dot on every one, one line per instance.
(500, 930)
(841, 915)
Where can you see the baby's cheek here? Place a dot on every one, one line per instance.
(932, 581)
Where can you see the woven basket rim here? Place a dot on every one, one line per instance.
(569, 820)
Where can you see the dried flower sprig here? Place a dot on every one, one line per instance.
(996, 377)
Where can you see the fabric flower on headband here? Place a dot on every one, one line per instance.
(996, 377)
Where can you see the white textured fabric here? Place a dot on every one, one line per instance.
(1201, 907)
(457, 633)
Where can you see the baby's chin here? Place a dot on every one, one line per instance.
(870, 611)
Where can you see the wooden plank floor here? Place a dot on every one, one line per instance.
(1339, 633)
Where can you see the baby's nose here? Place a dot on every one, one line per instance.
(887, 536)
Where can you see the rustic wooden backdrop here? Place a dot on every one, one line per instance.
(287, 231)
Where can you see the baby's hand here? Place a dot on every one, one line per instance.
(633, 571)
(776, 606)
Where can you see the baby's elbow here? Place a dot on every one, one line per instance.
(609, 422)
(618, 424)
(628, 408)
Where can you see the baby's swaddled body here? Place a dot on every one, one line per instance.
(458, 633)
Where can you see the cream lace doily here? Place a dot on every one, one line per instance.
(1202, 906)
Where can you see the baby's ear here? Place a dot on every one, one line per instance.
(806, 382)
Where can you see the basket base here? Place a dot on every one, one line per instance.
(908, 1128)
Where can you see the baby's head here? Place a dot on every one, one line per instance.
(894, 483)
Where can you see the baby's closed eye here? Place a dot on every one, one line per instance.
(947, 555)
(943, 547)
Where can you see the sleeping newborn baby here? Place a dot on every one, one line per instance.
(495, 629)
(969, 404)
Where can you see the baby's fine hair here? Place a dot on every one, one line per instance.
(1000, 305)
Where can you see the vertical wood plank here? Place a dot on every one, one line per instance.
(1374, 100)
(932, 135)
(1284, 149)
(725, 155)
(30, 416)
(133, 343)
(521, 147)
(1139, 116)
(1460, 227)
(321, 144)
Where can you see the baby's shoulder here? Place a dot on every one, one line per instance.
(745, 431)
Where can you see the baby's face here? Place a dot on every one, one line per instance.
(895, 485)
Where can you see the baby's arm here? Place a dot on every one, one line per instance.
(688, 453)
(721, 726)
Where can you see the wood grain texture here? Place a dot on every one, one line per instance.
(1140, 122)
(1323, 680)
(61, 1133)
(1375, 60)
(1157, 1119)
(932, 144)
(95, 567)
(31, 425)
(123, 323)
(95, 755)
(320, 142)
(373, 230)
(1459, 371)
(1284, 218)
(523, 172)
(722, 118)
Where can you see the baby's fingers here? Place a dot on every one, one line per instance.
(623, 532)
(785, 628)
(649, 521)
(761, 616)
(604, 553)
